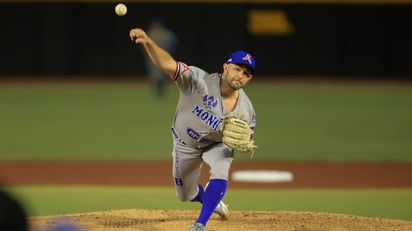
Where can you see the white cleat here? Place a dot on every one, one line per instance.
(222, 210)
(197, 227)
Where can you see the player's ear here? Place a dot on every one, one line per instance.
(225, 67)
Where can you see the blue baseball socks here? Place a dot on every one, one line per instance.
(199, 195)
(210, 198)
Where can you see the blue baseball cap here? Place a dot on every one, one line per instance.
(242, 57)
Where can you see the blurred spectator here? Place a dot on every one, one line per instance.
(166, 39)
(13, 216)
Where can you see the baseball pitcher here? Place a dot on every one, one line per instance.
(213, 117)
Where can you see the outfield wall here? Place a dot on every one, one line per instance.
(288, 38)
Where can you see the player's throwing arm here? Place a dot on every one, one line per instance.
(159, 56)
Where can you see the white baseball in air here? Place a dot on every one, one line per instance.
(120, 9)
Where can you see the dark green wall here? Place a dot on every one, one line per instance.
(372, 40)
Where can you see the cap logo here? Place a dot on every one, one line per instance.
(248, 58)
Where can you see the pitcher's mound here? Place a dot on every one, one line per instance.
(181, 220)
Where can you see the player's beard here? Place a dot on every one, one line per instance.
(232, 83)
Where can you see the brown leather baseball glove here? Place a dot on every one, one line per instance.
(237, 134)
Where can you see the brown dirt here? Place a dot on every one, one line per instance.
(306, 175)
(156, 220)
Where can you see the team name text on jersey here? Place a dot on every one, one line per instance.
(207, 117)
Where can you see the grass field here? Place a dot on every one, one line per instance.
(123, 121)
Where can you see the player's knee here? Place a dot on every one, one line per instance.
(183, 198)
(182, 195)
(189, 195)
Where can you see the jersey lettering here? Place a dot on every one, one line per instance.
(190, 132)
(208, 118)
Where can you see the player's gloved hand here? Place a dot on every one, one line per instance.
(237, 134)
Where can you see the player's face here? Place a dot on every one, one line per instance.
(236, 76)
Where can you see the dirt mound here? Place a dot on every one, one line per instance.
(178, 220)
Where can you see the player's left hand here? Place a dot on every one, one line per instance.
(237, 134)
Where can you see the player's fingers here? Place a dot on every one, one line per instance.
(134, 39)
(134, 34)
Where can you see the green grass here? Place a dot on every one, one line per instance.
(50, 200)
(84, 122)
(124, 121)
(334, 123)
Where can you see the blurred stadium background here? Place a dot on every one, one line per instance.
(345, 38)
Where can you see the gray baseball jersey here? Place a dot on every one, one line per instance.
(200, 110)
(198, 118)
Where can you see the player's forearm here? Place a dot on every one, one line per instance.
(160, 57)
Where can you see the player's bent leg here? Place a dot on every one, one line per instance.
(187, 190)
(186, 171)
